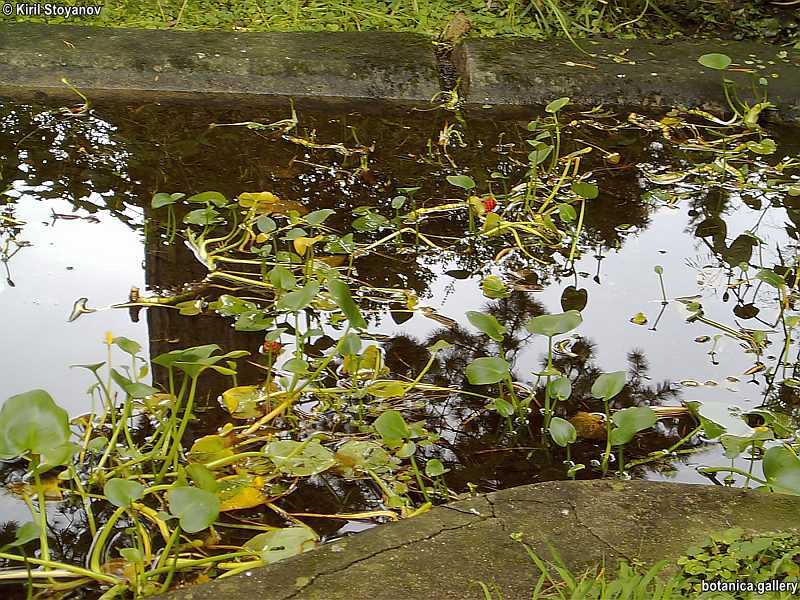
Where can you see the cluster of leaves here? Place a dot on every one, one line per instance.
(734, 556)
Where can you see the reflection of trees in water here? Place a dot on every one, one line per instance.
(476, 443)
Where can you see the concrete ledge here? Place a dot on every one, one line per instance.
(398, 67)
(656, 73)
(443, 553)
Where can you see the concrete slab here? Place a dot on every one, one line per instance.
(445, 552)
(398, 67)
(656, 73)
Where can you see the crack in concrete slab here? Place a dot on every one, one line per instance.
(601, 539)
(427, 538)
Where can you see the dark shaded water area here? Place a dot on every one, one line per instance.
(77, 223)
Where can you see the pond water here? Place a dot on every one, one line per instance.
(78, 223)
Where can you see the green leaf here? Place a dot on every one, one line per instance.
(562, 431)
(195, 508)
(462, 181)
(503, 407)
(340, 292)
(215, 198)
(132, 389)
(162, 199)
(126, 345)
(560, 388)
(589, 191)
(782, 470)
(392, 427)
(203, 477)
(202, 216)
(387, 389)
(298, 299)
(608, 385)
(283, 278)
(629, 422)
(770, 277)
(357, 457)
(717, 418)
(299, 459)
(122, 492)
(282, 543)
(27, 532)
(716, 61)
(350, 345)
(487, 324)
(493, 287)
(435, 468)
(551, 325)
(32, 422)
(266, 224)
(765, 146)
(487, 370)
(318, 217)
(556, 105)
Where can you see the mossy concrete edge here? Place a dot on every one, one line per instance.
(187, 65)
(447, 551)
(502, 77)
(513, 73)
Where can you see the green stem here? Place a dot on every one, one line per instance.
(63, 566)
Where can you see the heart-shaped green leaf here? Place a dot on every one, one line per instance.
(558, 324)
(195, 508)
(562, 431)
(487, 324)
(608, 385)
(122, 492)
(487, 370)
(32, 422)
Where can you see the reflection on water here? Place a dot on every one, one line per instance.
(77, 210)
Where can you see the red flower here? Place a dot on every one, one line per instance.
(489, 203)
(270, 347)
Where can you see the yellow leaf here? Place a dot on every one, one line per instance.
(639, 319)
(244, 401)
(268, 203)
(303, 243)
(241, 491)
(209, 448)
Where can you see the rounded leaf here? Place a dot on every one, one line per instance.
(487, 324)
(562, 431)
(122, 492)
(715, 60)
(282, 543)
(551, 325)
(195, 508)
(487, 370)
(32, 422)
(392, 427)
(608, 385)
(462, 181)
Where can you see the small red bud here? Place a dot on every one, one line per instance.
(270, 347)
(489, 203)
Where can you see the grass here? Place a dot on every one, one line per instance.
(728, 556)
(540, 19)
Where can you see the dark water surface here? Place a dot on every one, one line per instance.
(81, 190)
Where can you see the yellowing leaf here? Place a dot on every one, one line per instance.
(210, 448)
(244, 401)
(241, 491)
(269, 203)
(639, 319)
(303, 243)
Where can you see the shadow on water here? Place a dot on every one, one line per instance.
(77, 222)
